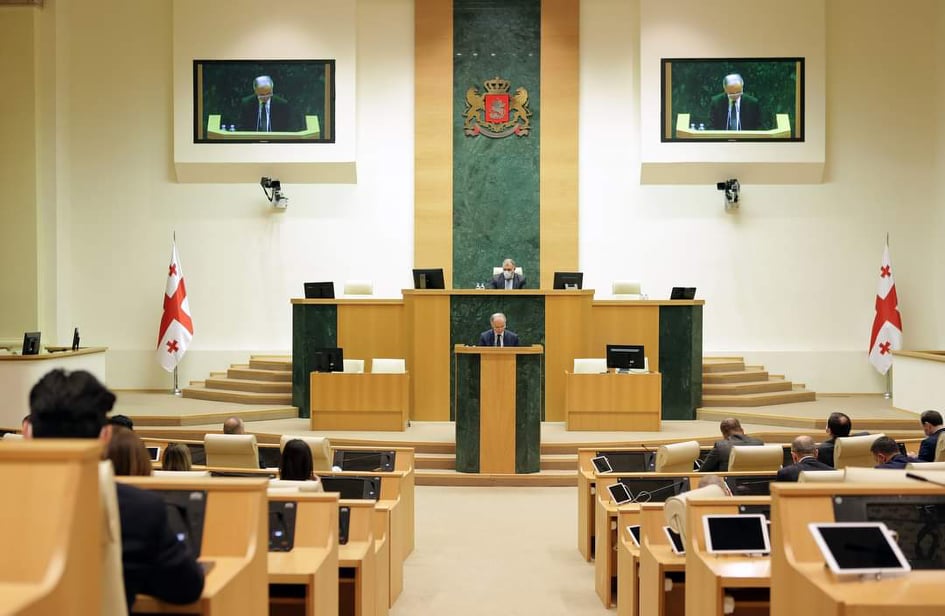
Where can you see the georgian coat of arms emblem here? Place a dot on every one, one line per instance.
(496, 113)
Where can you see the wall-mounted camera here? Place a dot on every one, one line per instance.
(273, 190)
(731, 188)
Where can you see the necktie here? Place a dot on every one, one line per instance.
(733, 117)
(501, 341)
(262, 124)
(508, 283)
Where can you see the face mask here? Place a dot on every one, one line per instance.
(507, 274)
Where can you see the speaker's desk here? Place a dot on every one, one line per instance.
(349, 401)
(613, 402)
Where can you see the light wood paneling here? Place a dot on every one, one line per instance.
(428, 354)
(567, 329)
(497, 413)
(626, 323)
(433, 129)
(613, 401)
(372, 330)
(559, 137)
(359, 401)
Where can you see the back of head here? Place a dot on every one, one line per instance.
(121, 420)
(176, 457)
(839, 424)
(69, 405)
(933, 418)
(730, 425)
(884, 445)
(804, 446)
(128, 454)
(296, 462)
(233, 425)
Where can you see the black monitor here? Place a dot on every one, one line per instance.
(656, 489)
(75, 339)
(360, 460)
(282, 525)
(749, 485)
(568, 280)
(429, 278)
(626, 356)
(368, 488)
(186, 511)
(328, 359)
(683, 293)
(630, 461)
(31, 343)
(319, 290)
(269, 457)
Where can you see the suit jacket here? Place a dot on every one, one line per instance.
(897, 461)
(498, 281)
(793, 471)
(717, 460)
(825, 452)
(282, 117)
(154, 562)
(487, 338)
(929, 443)
(749, 112)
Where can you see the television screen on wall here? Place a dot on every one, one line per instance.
(264, 101)
(732, 99)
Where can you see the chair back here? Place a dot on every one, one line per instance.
(380, 365)
(676, 457)
(180, 474)
(355, 366)
(498, 270)
(820, 476)
(359, 287)
(858, 474)
(320, 446)
(940, 449)
(12, 436)
(297, 486)
(676, 506)
(590, 365)
(854, 451)
(113, 583)
(755, 458)
(629, 289)
(926, 466)
(231, 450)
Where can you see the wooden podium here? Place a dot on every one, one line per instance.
(498, 409)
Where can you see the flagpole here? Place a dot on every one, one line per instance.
(176, 391)
(887, 395)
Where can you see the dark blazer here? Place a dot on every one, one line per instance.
(717, 460)
(793, 471)
(498, 281)
(154, 562)
(825, 452)
(487, 338)
(281, 115)
(749, 111)
(927, 448)
(897, 461)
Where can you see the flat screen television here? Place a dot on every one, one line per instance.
(429, 278)
(626, 357)
(31, 343)
(700, 100)
(227, 106)
(186, 511)
(328, 359)
(568, 280)
(319, 290)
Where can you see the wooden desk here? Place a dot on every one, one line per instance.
(357, 581)
(657, 564)
(801, 581)
(613, 401)
(313, 560)
(52, 515)
(344, 401)
(607, 551)
(628, 563)
(235, 539)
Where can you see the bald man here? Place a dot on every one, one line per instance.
(733, 109)
(233, 425)
(804, 454)
(498, 336)
(266, 112)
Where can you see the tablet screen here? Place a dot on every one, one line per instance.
(675, 540)
(634, 531)
(736, 534)
(620, 493)
(602, 464)
(859, 548)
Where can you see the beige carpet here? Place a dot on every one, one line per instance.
(502, 551)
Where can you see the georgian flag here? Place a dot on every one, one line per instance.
(887, 324)
(177, 328)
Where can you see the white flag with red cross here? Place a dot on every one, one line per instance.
(177, 328)
(886, 335)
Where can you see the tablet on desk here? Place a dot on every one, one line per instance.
(736, 534)
(620, 493)
(634, 531)
(155, 453)
(602, 464)
(859, 548)
(675, 540)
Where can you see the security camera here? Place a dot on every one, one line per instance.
(731, 188)
(273, 191)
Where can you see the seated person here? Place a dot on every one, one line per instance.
(233, 425)
(932, 426)
(128, 454)
(154, 562)
(296, 463)
(122, 420)
(176, 457)
(508, 279)
(498, 335)
(838, 425)
(804, 454)
(886, 453)
(717, 460)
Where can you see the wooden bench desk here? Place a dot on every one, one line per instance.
(657, 564)
(628, 563)
(357, 563)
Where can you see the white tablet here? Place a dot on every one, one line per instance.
(736, 534)
(859, 548)
(634, 532)
(602, 464)
(620, 493)
(675, 540)
(155, 453)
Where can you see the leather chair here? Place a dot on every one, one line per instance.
(113, 582)
(355, 366)
(12, 436)
(755, 458)
(676, 457)
(381, 365)
(854, 451)
(627, 289)
(180, 474)
(820, 476)
(925, 466)
(858, 474)
(676, 506)
(283, 485)
(940, 449)
(231, 450)
(359, 287)
(320, 446)
(498, 270)
(590, 365)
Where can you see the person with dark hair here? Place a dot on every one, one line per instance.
(73, 405)
(122, 420)
(296, 463)
(176, 457)
(128, 454)
(838, 425)
(733, 434)
(886, 453)
(932, 426)
(804, 454)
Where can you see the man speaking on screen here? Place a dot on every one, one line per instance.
(733, 109)
(266, 112)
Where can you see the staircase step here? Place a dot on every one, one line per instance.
(262, 387)
(241, 397)
(752, 387)
(722, 365)
(763, 399)
(271, 363)
(253, 374)
(447, 461)
(741, 376)
(452, 478)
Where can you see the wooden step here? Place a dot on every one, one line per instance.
(262, 387)
(763, 399)
(447, 461)
(741, 376)
(271, 363)
(751, 387)
(452, 478)
(243, 371)
(242, 397)
(728, 365)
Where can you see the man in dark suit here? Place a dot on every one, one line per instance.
(266, 112)
(498, 335)
(886, 453)
(733, 109)
(154, 561)
(717, 460)
(838, 424)
(932, 426)
(508, 278)
(804, 454)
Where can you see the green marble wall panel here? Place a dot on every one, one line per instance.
(469, 317)
(467, 415)
(528, 399)
(681, 360)
(313, 326)
(495, 181)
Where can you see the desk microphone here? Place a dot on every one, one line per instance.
(926, 479)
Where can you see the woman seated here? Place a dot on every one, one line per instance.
(296, 463)
(128, 454)
(176, 457)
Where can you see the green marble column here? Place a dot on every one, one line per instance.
(681, 360)
(313, 326)
(495, 181)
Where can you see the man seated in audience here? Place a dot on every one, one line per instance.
(804, 454)
(73, 405)
(121, 420)
(838, 424)
(886, 453)
(717, 460)
(932, 426)
(233, 425)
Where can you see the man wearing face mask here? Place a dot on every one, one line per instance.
(508, 279)
(733, 109)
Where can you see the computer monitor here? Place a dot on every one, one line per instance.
(683, 293)
(368, 488)
(360, 460)
(629, 461)
(428, 278)
(31, 343)
(186, 511)
(654, 490)
(319, 290)
(328, 359)
(568, 280)
(626, 357)
(282, 525)
(749, 485)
